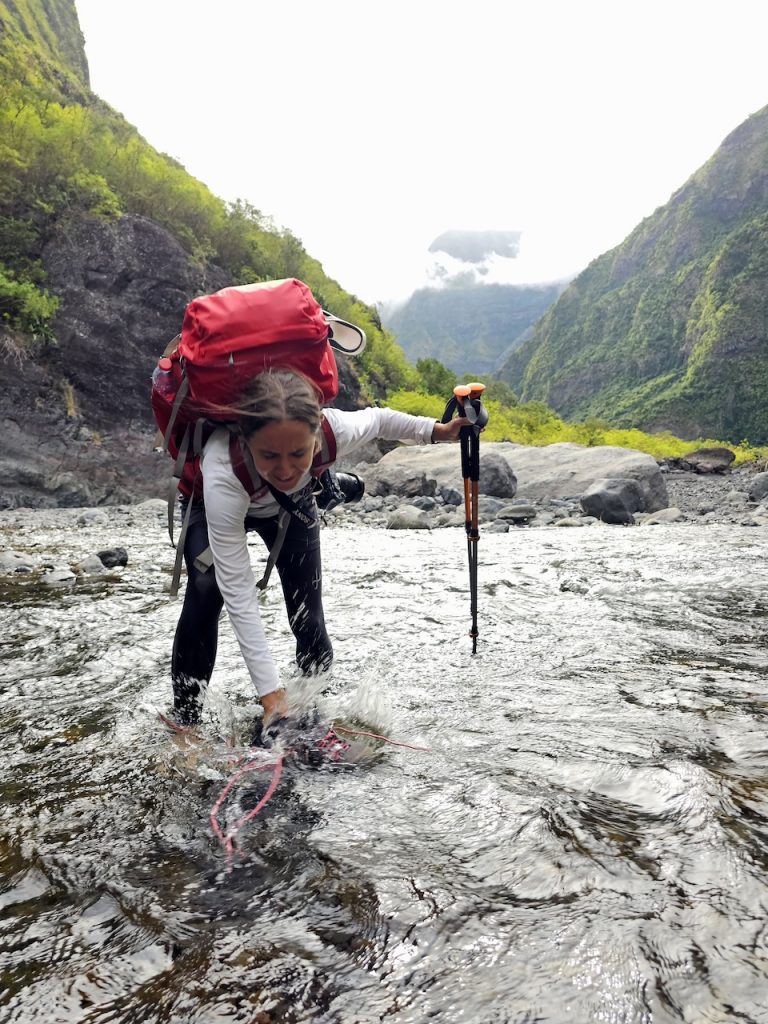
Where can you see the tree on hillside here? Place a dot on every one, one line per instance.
(436, 379)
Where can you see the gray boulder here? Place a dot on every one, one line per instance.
(401, 477)
(499, 526)
(408, 518)
(708, 460)
(436, 469)
(497, 477)
(566, 470)
(519, 513)
(555, 471)
(14, 561)
(758, 488)
(91, 565)
(112, 557)
(451, 496)
(613, 500)
(59, 576)
(664, 515)
(93, 517)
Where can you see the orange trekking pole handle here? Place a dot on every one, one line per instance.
(467, 402)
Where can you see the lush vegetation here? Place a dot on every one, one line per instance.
(670, 329)
(534, 423)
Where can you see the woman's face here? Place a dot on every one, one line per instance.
(283, 452)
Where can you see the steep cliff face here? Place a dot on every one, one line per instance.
(668, 330)
(83, 400)
(52, 31)
(123, 285)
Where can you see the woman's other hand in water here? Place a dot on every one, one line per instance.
(275, 705)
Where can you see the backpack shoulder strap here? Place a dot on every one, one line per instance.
(242, 464)
(327, 454)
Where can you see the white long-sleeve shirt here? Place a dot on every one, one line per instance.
(227, 503)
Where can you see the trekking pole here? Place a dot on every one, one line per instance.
(467, 402)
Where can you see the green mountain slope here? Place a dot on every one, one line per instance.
(48, 30)
(469, 330)
(669, 330)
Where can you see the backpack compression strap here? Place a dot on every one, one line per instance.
(193, 437)
(181, 457)
(327, 454)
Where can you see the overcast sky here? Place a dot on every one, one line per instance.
(370, 128)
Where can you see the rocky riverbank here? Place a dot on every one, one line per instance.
(417, 488)
(692, 498)
(559, 485)
(714, 497)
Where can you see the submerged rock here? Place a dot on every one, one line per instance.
(14, 561)
(59, 577)
(113, 557)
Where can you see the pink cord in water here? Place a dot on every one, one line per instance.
(182, 730)
(376, 736)
(228, 841)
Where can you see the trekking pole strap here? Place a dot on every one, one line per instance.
(450, 409)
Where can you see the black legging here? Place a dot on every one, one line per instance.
(195, 642)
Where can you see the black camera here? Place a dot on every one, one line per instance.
(334, 489)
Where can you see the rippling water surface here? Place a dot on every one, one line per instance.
(586, 838)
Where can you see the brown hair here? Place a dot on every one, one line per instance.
(278, 395)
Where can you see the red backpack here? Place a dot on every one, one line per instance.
(227, 339)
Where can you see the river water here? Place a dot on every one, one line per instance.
(585, 838)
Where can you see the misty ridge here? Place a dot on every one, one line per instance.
(468, 317)
(667, 331)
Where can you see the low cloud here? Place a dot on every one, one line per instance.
(477, 246)
(469, 259)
